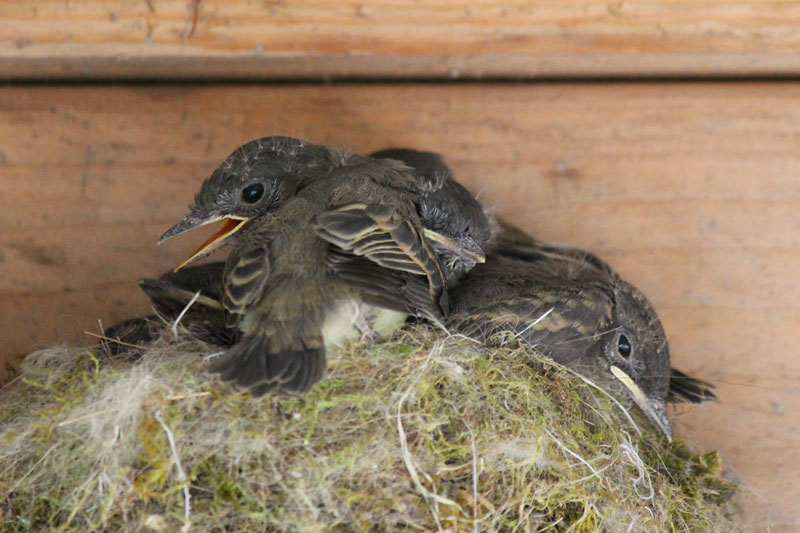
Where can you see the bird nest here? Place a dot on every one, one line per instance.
(423, 432)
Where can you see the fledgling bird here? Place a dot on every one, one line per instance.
(571, 307)
(257, 178)
(282, 284)
(341, 232)
(515, 243)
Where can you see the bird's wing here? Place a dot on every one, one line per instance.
(683, 388)
(253, 363)
(246, 273)
(383, 287)
(206, 278)
(400, 260)
(513, 243)
(560, 322)
(130, 335)
(170, 299)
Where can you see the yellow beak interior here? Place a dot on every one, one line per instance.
(230, 226)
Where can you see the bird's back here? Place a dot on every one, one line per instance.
(550, 304)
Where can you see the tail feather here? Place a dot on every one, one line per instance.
(311, 369)
(683, 388)
(250, 365)
(260, 390)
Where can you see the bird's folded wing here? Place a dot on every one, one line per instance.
(170, 299)
(559, 324)
(383, 287)
(130, 335)
(206, 278)
(389, 242)
(246, 273)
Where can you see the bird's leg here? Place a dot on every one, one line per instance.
(368, 335)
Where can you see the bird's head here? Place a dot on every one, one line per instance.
(454, 222)
(456, 226)
(637, 354)
(257, 178)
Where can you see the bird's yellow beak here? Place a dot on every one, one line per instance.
(231, 225)
(654, 411)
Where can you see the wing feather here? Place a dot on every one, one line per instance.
(401, 270)
(243, 281)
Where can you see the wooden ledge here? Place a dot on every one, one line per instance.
(127, 39)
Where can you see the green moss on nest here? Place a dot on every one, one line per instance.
(418, 433)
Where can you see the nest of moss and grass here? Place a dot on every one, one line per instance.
(423, 432)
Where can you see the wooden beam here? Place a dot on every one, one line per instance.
(226, 39)
(689, 190)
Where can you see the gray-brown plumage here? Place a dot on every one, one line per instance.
(170, 294)
(339, 236)
(131, 336)
(283, 281)
(292, 271)
(447, 208)
(257, 178)
(570, 306)
(515, 243)
(454, 222)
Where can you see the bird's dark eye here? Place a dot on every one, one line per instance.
(624, 346)
(252, 193)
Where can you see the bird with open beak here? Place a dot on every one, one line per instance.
(257, 178)
(570, 306)
(315, 234)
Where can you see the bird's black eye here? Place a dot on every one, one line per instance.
(252, 193)
(624, 346)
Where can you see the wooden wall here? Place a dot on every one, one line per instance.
(689, 188)
(227, 39)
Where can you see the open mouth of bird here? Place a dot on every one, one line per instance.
(654, 412)
(230, 225)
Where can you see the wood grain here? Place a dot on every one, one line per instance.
(272, 39)
(690, 190)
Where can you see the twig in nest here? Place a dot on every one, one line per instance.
(117, 341)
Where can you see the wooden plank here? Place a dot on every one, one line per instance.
(187, 39)
(689, 190)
